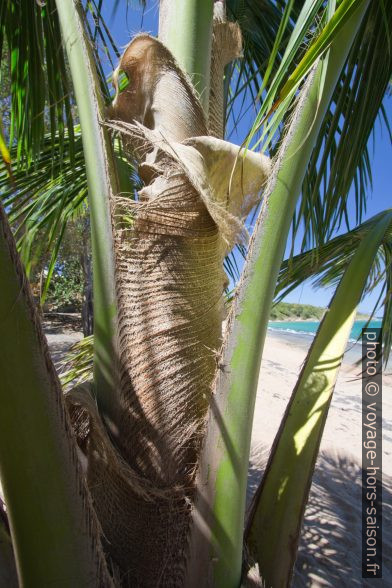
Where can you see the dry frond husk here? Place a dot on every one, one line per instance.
(169, 251)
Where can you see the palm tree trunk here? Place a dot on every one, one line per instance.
(169, 248)
(169, 285)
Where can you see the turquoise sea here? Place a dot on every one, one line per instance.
(309, 328)
(301, 333)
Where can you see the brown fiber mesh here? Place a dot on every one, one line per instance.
(169, 250)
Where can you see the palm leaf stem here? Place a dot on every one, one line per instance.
(102, 184)
(224, 460)
(276, 514)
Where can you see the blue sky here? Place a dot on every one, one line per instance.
(379, 198)
(123, 26)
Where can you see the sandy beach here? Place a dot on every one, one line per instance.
(330, 547)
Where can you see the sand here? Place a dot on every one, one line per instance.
(61, 334)
(330, 546)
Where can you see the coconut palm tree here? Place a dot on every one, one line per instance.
(139, 476)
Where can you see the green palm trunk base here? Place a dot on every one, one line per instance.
(54, 536)
(277, 510)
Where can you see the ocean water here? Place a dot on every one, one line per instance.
(309, 328)
(301, 333)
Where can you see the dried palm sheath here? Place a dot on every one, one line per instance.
(169, 248)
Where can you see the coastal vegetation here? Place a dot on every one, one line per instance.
(138, 477)
(291, 311)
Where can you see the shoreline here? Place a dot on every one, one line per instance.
(296, 319)
(303, 340)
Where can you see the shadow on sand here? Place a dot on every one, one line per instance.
(330, 545)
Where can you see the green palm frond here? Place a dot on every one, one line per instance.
(49, 184)
(326, 265)
(41, 95)
(77, 365)
(266, 67)
(117, 3)
(44, 198)
(48, 194)
(340, 157)
(263, 25)
(104, 48)
(39, 84)
(320, 29)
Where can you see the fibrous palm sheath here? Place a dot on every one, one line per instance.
(169, 250)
